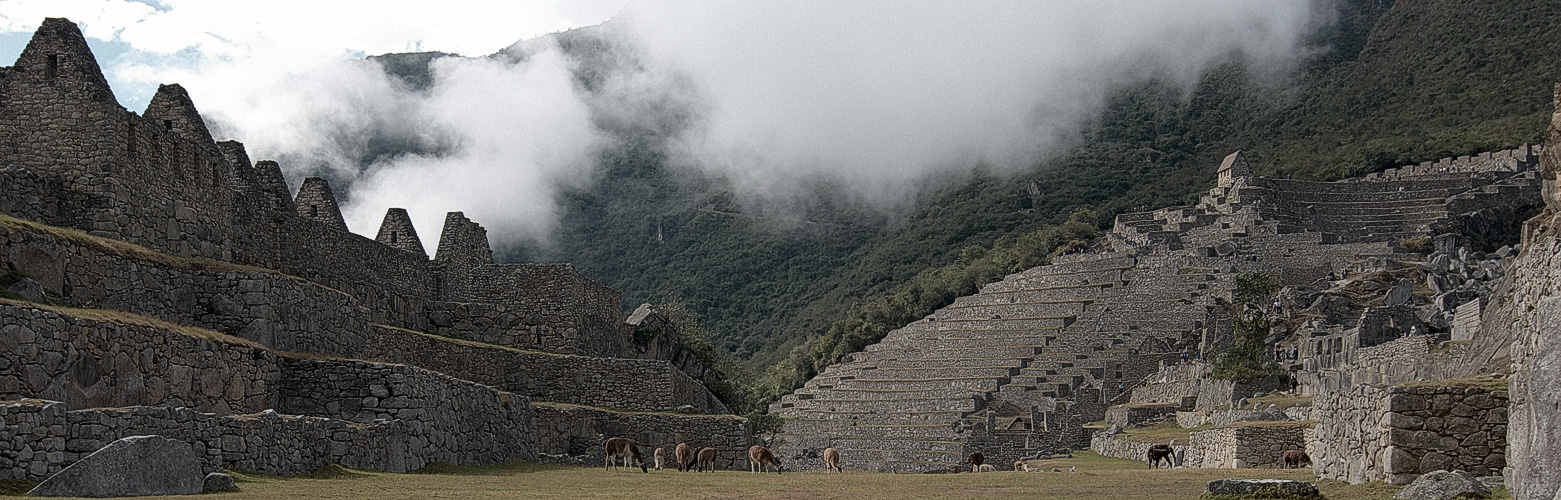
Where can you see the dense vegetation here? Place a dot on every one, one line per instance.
(783, 293)
(1248, 359)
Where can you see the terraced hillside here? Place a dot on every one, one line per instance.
(1020, 366)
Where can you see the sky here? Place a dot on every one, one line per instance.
(874, 95)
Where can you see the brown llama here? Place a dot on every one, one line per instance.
(684, 454)
(831, 460)
(758, 457)
(622, 448)
(1296, 458)
(975, 460)
(706, 459)
(1021, 466)
(1160, 452)
(660, 455)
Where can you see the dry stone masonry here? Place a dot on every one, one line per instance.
(1118, 332)
(178, 288)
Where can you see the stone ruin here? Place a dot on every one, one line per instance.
(167, 285)
(1119, 334)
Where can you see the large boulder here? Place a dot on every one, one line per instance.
(1262, 488)
(1443, 485)
(132, 466)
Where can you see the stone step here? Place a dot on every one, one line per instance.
(887, 406)
(835, 429)
(982, 339)
(1068, 294)
(1003, 352)
(977, 383)
(1002, 323)
(997, 311)
(956, 363)
(921, 372)
(810, 393)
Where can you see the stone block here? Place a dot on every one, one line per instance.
(132, 466)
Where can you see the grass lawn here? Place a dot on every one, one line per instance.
(1101, 478)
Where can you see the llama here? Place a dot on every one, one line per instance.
(1295, 458)
(986, 468)
(684, 454)
(707, 459)
(1021, 466)
(1160, 452)
(660, 455)
(975, 460)
(758, 457)
(623, 448)
(831, 460)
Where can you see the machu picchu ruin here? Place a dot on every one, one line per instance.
(1390, 322)
(169, 285)
(1124, 332)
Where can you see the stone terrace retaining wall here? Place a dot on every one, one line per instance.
(1246, 445)
(573, 434)
(87, 363)
(630, 384)
(1398, 433)
(1118, 446)
(431, 417)
(40, 438)
(273, 309)
(457, 421)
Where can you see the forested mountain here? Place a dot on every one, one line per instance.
(784, 290)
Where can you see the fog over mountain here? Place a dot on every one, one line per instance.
(872, 96)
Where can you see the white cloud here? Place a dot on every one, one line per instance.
(874, 94)
(878, 94)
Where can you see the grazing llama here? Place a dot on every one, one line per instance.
(1160, 452)
(660, 455)
(684, 454)
(623, 448)
(986, 468)
(831, 460)
(1296, 458)
(758, 457)
(707, 459)
(975, 459)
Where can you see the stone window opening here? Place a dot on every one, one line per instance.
(392, 237)
(51, 67)
(314, 210)
(167, 124)
(130, 145)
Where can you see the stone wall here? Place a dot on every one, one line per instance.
(39, 438)
(1528, 305)
(1396, 434)
(630, 384)
(275, 310)
(458, 421)
(1119, 446)
(1246, 444)
(573, 434)
(86, 364)
(388, 417)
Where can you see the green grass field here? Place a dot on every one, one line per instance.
(1097, 478)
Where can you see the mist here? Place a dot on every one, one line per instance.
(773, 96)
